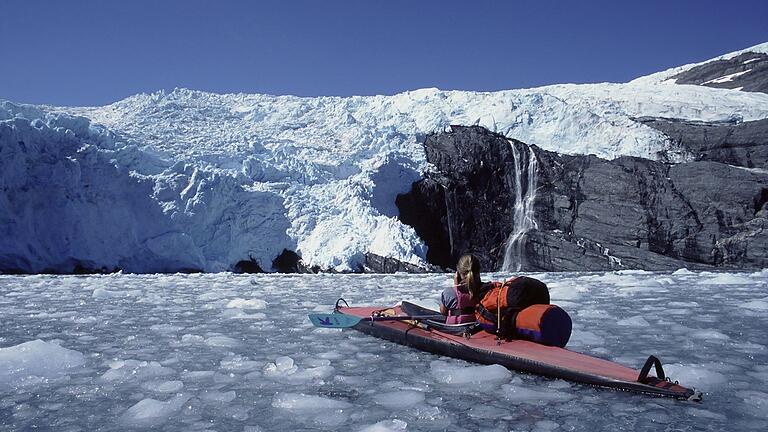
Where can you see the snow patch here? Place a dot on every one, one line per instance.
(726, 78)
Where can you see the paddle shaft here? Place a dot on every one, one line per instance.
(337, 320)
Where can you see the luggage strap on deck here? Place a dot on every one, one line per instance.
(652, 361)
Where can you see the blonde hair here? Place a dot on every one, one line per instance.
(468, 274)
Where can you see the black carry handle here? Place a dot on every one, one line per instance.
(338, 304)
(652, 361)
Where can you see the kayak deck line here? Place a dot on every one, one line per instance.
(519, 355)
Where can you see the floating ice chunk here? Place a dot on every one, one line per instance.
(282, 366)
(585, 338)
(760, 373)
(302, 402)
(253, 376)
(756, 403)
(688, 304)
(695, 412)
(633, 272)
(240, 303)
(682, 271)
(756, 305)
(315, 362)
(354, 380)
(166, 328)
(399, 399)
(332, 419)
(152, 412)
(163, 386)
(192, 339)
(487, 412)
(240, 364)
(330, 413)
(102, 293)
(35, 361)
(197, 375)
(710, 335)
(635, 321)
(330, 355)
(214, 295)
(309, 374)
(222, 341)
(700, 377)
(570, 290)
(518, 394)
(129, 370)
(217, 397)
(395, 425)
(455, 374)
(241, 314)
(729, 279)
(545, 426)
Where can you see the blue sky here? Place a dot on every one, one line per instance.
(96, 52)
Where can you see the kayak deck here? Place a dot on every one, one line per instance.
(518, 355)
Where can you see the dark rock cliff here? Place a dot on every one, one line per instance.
(591, 214)
(465, 205)
(734, 143)
(747, 71)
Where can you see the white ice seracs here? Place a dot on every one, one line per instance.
(189, 180)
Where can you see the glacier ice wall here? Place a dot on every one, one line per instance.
(70, 201)
(189, 180)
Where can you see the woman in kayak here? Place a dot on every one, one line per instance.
(493, 304)
(459, 301)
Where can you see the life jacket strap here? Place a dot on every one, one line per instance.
(486, 314)
(509, 316)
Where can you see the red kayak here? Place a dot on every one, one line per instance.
(519, 355)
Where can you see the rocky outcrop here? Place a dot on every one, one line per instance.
(290, 262)
(465, 205)
(734, 143)
(747, 71)
(591, 213)
(638, 213)
(379, 264)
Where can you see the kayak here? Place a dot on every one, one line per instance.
(421, 328)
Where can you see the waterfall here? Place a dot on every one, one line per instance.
(523, 217)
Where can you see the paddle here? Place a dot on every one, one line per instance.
(340, 320)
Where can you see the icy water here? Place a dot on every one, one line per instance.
(227, 352)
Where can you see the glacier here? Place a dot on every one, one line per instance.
(194, 181)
